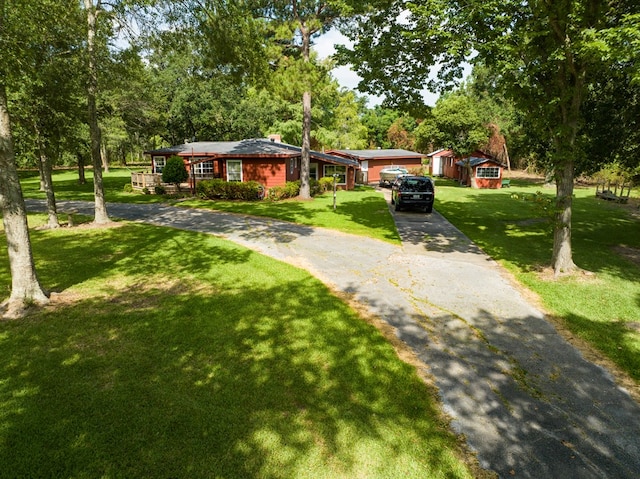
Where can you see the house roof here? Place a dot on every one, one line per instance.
(475, 161)
(388, 154)
(252, 148)
(442, 152)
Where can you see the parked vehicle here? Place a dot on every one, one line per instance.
(410, 191)
(389, 173)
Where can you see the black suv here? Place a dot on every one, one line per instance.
(413, 192)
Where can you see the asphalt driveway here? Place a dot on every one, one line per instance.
(525, 399)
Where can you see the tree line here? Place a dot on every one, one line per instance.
(554, 86)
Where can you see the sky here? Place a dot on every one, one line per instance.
(324, 46)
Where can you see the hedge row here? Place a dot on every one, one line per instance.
(218, 189)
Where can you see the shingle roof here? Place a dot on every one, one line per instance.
(442, 152)
(246, 149)
(388, 154)
(475, 161)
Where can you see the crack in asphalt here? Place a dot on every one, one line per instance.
(527, 401)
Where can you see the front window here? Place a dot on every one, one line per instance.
(159, 162)
(313, 171)
(341, 171)
(488, 172)
(234, 170)
(204, 169)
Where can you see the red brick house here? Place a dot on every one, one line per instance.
(268, 162)
(480, 170)
(372, 161)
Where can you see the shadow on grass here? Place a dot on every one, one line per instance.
(516, 231)
(361, 212)
(618, 340)
(174, 354)
(62, 260)
(66, 186)
(371, 212)
(280, 381)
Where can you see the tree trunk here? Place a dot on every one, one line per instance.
(506, 155)
(562, 258)
(101, 215)
(41, 175)
(25, 286)
(47, 180)
(52, 211)
(105, 157)
(305, 162)
(81, 178)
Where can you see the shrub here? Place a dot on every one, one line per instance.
(146, 191)
(174, 171)
(325, 184)
(291, 189)
(128, 188)
(229, 190)
(211, 189)
(160, 190)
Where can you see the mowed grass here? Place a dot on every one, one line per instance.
(600, 305)
(362, 211)
(174, 354)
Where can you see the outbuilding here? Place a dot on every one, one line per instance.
(480, 171)
(373, 161)
(442, 163)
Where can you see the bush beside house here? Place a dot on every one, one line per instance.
(174, 171)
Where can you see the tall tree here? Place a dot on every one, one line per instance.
(18, 19)
(25, 286)
(545, 54)
(45, 95)
(456, 123)
(298, 21)
(93, 9)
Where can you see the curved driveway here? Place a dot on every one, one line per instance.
(525, 399)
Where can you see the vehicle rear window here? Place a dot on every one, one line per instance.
(416, 184)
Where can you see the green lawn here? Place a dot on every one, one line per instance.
(250, 368)
(66, 186)
(361, 212)
(176, 354)
(603, 307)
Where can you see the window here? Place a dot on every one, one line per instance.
(341, 171)
(293, 164)
(159, 162)
(234, 170)
(488, 172)
(313, 171)
(204, 169)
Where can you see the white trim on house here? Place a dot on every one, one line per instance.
(313, 170)
(488, 172)
(330, 170)
(234, 173)
(159, 163)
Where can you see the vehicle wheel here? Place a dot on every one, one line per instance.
(428, 209)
